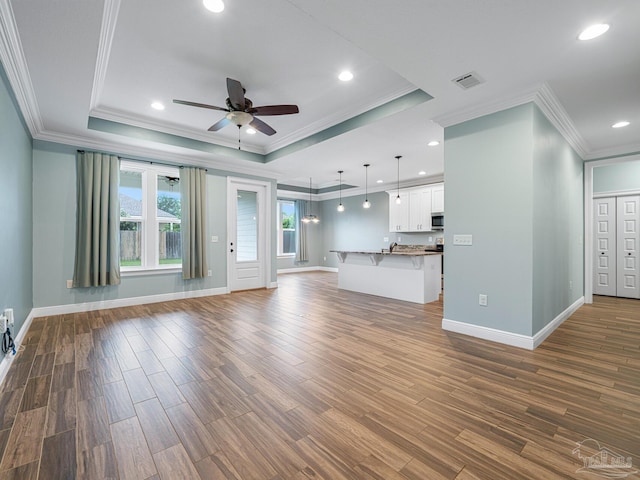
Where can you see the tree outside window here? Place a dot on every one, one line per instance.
(286, 228)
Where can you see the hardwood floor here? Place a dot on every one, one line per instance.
(306, 381)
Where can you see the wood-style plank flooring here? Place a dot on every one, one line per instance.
(309, 382)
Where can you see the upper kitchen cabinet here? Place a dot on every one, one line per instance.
(399, 213)
(413, 214)
(437, 198)
(420, 210)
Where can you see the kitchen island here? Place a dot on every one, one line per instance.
(409, 275)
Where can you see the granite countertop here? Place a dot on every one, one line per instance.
(408, 253)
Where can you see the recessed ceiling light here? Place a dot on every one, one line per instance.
(379, 181)
(215, 6)
(157, 106)
(422, 172)
(593, 31)
(251, 131)
(345, 76)
(620, 124)
(433, 143)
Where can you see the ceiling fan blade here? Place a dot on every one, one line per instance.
(236, 93)
(201, 105)
(274, 110)
(218, 125)
(262, 127)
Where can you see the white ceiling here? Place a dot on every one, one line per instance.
(70, 60)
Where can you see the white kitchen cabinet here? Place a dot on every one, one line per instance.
(414, 212)
(437, 198)
(420, 210)
(399, 214)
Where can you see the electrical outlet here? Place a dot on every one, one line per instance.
(399, 240)
(209, 273)
(482, 299)
(385, 239)
(570, 285)
(69, 283)
(325, 259)
(214, 238)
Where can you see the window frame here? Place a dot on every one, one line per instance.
(149, 220)
(280, 230)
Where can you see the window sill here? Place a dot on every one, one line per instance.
(287, 255)
(136, 272)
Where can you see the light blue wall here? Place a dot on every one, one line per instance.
(54, 181)
(489, 194)
(363, 229)
(558, 220)
(15, 208)
(617, 177)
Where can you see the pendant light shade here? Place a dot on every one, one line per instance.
(366, 203)
(310, 217)
(340, 206)
(398, 199)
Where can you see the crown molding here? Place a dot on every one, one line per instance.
(486, 108)
(15, 66)
(107, 32)
(543, 97)
(137, 152)
(627, 150)
(551, 107)
(126, 119)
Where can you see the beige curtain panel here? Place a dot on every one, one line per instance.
(302, 254)
(97, 259)
(193, 222)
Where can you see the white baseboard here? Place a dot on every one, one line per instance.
(486, 333)
(307, 269)
(125, 302)
(548, 329)
(7, 360)
(509, 338)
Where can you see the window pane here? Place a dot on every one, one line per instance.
(130, 244)
(286, 228)
(168, 212)
(130, 193)
(246, 226)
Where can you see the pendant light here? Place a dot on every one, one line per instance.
(340, 205)
(310, 217)
(366, 203)
(398, 199)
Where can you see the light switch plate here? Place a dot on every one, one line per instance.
(464, 240)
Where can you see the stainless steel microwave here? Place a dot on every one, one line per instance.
(437, 221)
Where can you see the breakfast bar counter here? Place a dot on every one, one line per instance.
(409, 275)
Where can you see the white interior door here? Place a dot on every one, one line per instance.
(604, 261)
(627, 244)
(248, 238)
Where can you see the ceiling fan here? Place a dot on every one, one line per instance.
(240, 110)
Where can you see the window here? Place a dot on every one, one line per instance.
(149, 217)
(286, 228)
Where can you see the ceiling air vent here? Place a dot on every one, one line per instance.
(468, 80)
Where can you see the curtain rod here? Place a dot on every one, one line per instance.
(151, 163)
